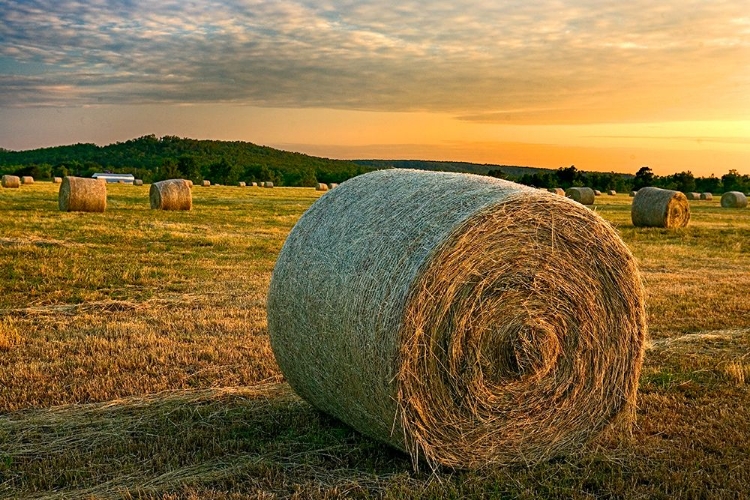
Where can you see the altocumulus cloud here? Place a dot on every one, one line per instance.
(531, 60)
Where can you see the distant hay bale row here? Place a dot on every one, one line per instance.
(557, 191)
(733, 199)
(321, 187)
(11, 181)
(583, 195)
(693, 196)
(171, 194)
(78, 194)
(655, 207)
(494, 324)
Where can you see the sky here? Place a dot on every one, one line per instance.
(603, 85)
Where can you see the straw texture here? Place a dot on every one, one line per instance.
(461, 318)
(583, 195)
(656, 207)
(733, 199)
(171, 194)
(11, 181)
(79, 194)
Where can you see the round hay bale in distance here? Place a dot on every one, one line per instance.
(693, 196)
(27, 179)
(11, 181)
(138, 182)
(242, 184)
(733, 199)
(206, 183)
(171, 194)
(321, 187)
(597, 192)
(557, 191)
(268, 184)
(583, 195)
(332, 185)
(707, 196)
(656, 207)
(254, 184)
(481, 328)
(82, 194)
(632, 193)
(57, 180)
(612, 192)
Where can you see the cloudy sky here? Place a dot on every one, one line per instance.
(604, 85)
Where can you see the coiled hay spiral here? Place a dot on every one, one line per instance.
(171, 194)
(656, 207)
(80, 194)
(460, 318)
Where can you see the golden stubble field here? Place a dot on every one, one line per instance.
(135, 363)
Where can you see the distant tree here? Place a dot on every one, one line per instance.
(643, 178)
(169, 169)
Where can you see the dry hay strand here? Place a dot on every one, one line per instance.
(656, 207)
(583, 195)
(138, 182)
(78, 194)
(171, 194)
(633, 193)
(612, 192)
(482, 328)
(27, 179)
(557, 191)
(321, 187)
(707, 196)
(733, 199)
(268, 184)
(57, 180)
(206, 183)
(11, 181)
(693, 196)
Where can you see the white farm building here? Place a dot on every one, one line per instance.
(126, 178)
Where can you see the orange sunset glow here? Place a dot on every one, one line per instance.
(606, 86)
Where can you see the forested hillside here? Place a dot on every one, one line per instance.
(154, 158)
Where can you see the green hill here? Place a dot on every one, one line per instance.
(153, 158)
(509, 171)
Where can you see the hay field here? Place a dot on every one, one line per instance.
(135, 362)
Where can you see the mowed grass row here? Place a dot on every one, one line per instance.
(135, 361)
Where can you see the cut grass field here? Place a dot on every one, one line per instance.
(135, 363)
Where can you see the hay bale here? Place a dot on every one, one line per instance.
(79, 194)
(490, 324)
(206, 183)
(27, 179)
(172, 194)
(242, 184)
(733, 199)
(138, 182)
(332, 185)
(321, 187)
(612, 192)
(693, 196)
(557, 191)
(707, 196)
(57, 180)
(268, 184)
(656, 207)
(254, 184)
(597, 192)
(189, 182)
(11, 181)
(633, 193)
(583, 195)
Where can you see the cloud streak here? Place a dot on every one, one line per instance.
(539, 61)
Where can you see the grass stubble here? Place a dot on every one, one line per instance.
(135, 363)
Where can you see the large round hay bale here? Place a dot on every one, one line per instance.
(733, 199)
(138, 182)
(268, 184)
(11, 181)
(172, 194)
(693, 196)
(206, 183)
(583, 195)
(321, 187)
(656, 207)
(80, 194)
(465, 319)
(707, 196)
(27, 179)
(557, 191)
